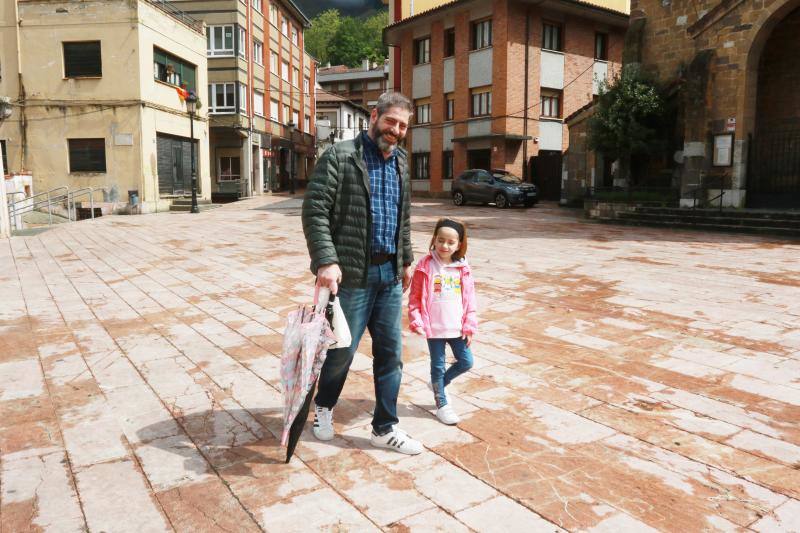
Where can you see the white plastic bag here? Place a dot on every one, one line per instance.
(338, 323)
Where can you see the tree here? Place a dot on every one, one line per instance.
(373, 27)
(351, 43)
(322, 31)
(626, 119)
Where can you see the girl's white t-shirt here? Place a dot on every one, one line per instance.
(447, 308)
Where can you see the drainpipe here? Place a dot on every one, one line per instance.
(525, 113)
(23, 124)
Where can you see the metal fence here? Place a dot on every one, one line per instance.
(170, 9)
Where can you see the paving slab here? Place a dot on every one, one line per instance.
(625, 379)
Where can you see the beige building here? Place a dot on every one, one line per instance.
(94, 85)
(260, 94)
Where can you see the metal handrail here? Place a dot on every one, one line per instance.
(706, 188)
(80, 192)
(13, 211)
(34, 205)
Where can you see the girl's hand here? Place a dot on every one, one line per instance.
(467, 338)
(418, 331)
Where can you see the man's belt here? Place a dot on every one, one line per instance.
(379, 259)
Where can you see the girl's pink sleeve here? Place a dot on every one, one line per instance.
(415, 302)
(470, 307)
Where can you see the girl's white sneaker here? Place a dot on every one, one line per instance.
(447, 416)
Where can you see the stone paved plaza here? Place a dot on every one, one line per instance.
(626, 379)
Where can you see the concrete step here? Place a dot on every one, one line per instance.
(725, 213)
(188, 207)
(188, 201)
(790, 233)
(724, 221)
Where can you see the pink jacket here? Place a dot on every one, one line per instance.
(419, 298)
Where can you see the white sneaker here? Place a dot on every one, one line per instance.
(397, 440)
(447, 416)
(323, 423)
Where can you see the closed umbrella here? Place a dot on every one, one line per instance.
(306, 340)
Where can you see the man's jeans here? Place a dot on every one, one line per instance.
(441, 379)
(379, 307)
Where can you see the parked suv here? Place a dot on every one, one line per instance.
(498, 187)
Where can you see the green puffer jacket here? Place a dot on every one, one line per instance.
(337, 219)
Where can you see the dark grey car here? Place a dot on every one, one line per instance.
(498, 187)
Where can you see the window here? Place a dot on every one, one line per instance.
(219, 40)
(422, 51)
(551, 37)
(273, 14)
(449, 42)
(87, 155)
(285, 70)
(306, 85)
(286, 114)
(242, 98)
(173, 70)
(373, 85)
(82, 60)
(4, 154)
(284, 27)
(296, 77)
(256, 5)
(221, 98)
(481, 102)
(422, 111)
(294, 36)
(343, 86)
(242, 43)
(449, 106)
(481, 34)
(361, 123)
(296, 118)
(258, 52)
(422, 166)
(357, 86)
(601, 46)
(258, 103)
(229, 169)
(447, 164)
(273, 63)
(551, 103)
(273, 110)
(307, 124)
(349, 121)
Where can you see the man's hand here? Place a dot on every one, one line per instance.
(408, 272)
(329, 276)
(467, 338)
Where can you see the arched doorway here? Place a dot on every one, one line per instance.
(774, 162)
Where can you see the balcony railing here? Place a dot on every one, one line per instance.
(170, 9)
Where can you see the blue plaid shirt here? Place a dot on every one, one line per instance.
(384, 184)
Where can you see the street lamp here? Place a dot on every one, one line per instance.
(191, 107)
(290, 126)
(5, 219)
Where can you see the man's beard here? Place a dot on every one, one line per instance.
(378, 136)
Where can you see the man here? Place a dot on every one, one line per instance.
(356, 222)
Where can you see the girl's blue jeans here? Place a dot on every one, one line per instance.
(441, 378)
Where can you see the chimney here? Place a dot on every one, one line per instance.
(365, 64)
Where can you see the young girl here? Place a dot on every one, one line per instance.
(441, 306)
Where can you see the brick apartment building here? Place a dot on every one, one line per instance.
(261, 99)
(733, 69)
(361, 85)
(491, 81)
